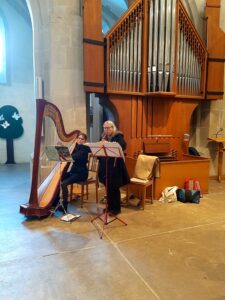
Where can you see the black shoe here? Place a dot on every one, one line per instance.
(113, 212)
(60, 208)
(108, 211)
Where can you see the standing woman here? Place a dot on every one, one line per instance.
(117, 172)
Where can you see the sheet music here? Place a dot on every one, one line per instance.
(58, 152)
(110, 149)
(69, 217)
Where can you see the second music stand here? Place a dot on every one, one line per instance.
(106, 150)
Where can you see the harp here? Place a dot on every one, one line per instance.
(45, 174)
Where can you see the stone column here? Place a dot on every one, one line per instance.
(58, 56)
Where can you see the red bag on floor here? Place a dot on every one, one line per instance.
(192, 184)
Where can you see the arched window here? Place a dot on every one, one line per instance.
(111, 12)
(2, 52)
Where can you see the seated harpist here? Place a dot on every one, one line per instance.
(79, 170)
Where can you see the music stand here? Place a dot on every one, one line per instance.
(107, 150)
(61, 154)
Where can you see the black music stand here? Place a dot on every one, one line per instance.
(61, 154)
(107, 150)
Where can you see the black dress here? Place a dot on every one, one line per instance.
(78, 171)
(117, 175)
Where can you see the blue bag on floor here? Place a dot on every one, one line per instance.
(191, 196)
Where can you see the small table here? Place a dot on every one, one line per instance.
(221, 149)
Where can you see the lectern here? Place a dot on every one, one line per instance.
(221, 149)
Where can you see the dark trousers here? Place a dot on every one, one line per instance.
(114, 199)
(67, 179)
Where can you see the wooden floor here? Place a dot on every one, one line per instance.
(169, 251)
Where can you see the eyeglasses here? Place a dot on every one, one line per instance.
(107, 127)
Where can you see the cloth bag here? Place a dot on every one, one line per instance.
(169, 194)
(191, 196)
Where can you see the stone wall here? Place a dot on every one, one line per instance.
(58, 55)
(19, 89)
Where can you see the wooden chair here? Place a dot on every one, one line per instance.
(141, 190)
(142, 173)
(93, 165)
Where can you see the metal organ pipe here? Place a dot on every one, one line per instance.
(168, 50)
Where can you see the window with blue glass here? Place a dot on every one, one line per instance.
(2, 52)
(111, 12)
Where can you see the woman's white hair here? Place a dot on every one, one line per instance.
(111, 124)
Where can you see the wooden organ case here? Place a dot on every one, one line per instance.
(153, 74)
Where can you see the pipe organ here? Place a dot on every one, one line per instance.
(161, 45)
(125, 52)
(155, 75)
(191, 62)
(155, 48)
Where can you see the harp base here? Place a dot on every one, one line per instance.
(34, 211)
